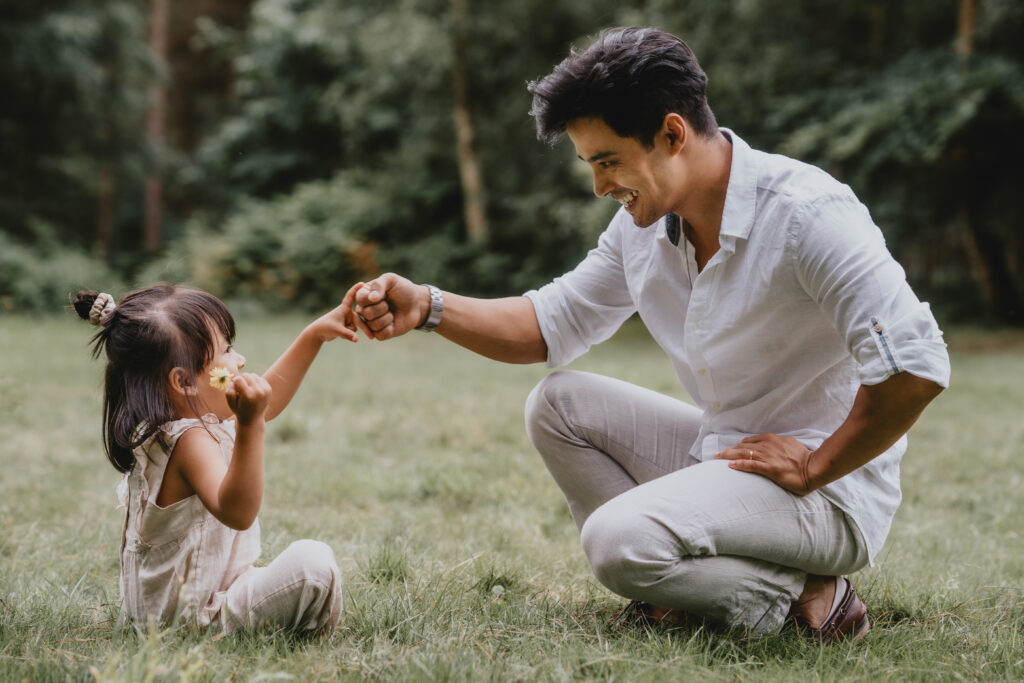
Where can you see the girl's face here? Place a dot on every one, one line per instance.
(212, 399)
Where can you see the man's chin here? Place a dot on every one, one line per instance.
(644, 223)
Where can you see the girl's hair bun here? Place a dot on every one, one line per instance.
(98, 309)
(83, 303)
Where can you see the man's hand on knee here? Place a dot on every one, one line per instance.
(782, 459)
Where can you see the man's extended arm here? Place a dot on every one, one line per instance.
(500, 329)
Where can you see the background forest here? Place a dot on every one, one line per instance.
(275, 151)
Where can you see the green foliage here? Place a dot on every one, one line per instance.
(285, 127)
(934, 121)
(875, 93)
(46, 277)
(301, 250)
(357, 98)
(73, 76)
(364, 92)
(908, 115)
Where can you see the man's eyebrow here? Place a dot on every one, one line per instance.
(596, 157)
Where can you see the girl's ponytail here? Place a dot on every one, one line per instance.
(99, 310)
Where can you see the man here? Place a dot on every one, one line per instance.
(787, 320)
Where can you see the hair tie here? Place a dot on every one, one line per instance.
(102, 309)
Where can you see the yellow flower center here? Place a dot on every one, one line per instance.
(220, 378)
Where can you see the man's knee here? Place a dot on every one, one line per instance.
(543, 405)
(545, 396)
(622, 549)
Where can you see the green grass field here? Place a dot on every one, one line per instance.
(460, 559)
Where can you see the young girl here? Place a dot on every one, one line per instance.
(186, 425)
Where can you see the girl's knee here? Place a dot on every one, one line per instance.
(320, 588)
(307, 547)
(313, 559)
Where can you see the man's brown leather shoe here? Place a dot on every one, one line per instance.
(848, 621)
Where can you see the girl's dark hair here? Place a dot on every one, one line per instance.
(631, 78)
(152, 331)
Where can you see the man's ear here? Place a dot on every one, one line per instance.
(674, 131)
(180, 383)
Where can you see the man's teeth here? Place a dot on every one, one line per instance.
(627, 198)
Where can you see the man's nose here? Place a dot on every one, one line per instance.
(602, 186)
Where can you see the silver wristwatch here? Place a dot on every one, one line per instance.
(436, 309)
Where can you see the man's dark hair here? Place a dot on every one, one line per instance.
(631, 78)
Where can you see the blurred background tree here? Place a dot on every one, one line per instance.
(309, 143)
(72, 78)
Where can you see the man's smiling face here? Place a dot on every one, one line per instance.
(624, 169)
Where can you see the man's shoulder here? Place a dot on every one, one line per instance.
(774, 177)
(790, 179)
(799, 199)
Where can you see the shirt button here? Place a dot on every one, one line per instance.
(716, 405)
(878, 328)
(702, 371)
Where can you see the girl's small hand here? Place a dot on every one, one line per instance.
(248, 397)
(339, 322)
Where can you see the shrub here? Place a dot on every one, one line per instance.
(301, 250)
(45, 278)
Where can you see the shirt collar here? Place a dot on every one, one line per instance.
(741, 195)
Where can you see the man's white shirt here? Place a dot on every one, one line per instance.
(801, 305)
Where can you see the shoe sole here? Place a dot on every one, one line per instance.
(862, 629)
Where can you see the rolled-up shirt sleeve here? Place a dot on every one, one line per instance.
(843, 264)
(586, 305)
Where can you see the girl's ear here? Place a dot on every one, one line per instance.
(180, 383)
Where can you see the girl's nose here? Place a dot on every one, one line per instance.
(241, 361)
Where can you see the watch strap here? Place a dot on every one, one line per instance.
(436, 309)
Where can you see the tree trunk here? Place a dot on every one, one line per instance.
(156, 125)
(473, 195)
(965, 28)
(986, 253)
(996, 283)
(105, 212)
